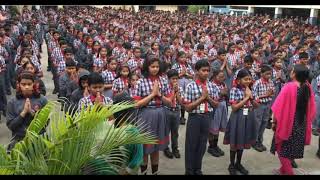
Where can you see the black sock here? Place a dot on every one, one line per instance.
(215, 140)
(182, 113)
(239, 156)
(154, 168)
(143, 169)
(232, 157)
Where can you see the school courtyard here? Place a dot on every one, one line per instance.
(255, 162)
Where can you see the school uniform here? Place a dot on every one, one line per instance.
(197, 125)
(220, 116)
(316, 89)
(64, 79)
(262, 113)
(173, 117)
(241, 129)
(89, 101)
(17, 124)
(278, 84)
(133, 64)
(3, 98)
(100, 62)
(183, 81)
(152, 116)
(232, 61)
(119, 85)
(108, 77)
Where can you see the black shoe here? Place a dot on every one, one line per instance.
(269, 125)
(220, 151)
(318, 154)
(189, 173)
(232, 170)
(198, 172)
(54, 91)
(8, 93)
(294, 164)
(214, 152)
(264, 148)
(168, 153)
(241, 169)
(182, 121)
(257, 147)
(48, 69)
(176, 153)
(315, 132)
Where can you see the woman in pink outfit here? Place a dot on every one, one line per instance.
(294, 110)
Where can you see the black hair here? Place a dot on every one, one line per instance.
(95, 78)
(180, 53)
(265, 68)
(201, 63)
(68, 50)
(248, 59)
(30, 76)
(172, 72)
(71, 63)
(127, 45)
(200, 47)
(302, 75)
(221, 51)
(243, 73)
(82, 78)
(239, 41)
(215, 73)
(147, 63)
(229, 46)
(120, 69)
(30, 62)
(303, 55)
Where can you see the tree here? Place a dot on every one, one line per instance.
(196, 8)
(85, 143)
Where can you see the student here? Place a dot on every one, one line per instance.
(167, 57)
(316, 89)
(248, 66)
(198, 55)
(133, 81)
(80, 92)
(22, 108)
(70, 74)
(186, 74)
(100, 61)
(200, 100)
(292, 126)
(173, 113)
(154, 50)
(220, 117)
(221, 64)
(30, 67)
(136, 63)
(3, 98)
(121, 82)
(263, 92)
(150, 96)
(95, 87)
(109, 76)
(233, 61)
(240, 132)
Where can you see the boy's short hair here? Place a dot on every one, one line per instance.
(200, 47)
(95, 78)
(71, 63)
(303, 55)
(248, 59)
(172, 72)
(265, 68)
(221, 51)
(201, 63)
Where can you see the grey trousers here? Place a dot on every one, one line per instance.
(262, 114)
(172, 126)
(3, 98)
(196, 141)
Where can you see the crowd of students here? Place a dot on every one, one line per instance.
(169, 63)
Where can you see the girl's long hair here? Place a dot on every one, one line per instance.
(302, 74)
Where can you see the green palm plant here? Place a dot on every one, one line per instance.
(84, 143)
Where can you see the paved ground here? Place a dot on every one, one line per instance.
(256, 162)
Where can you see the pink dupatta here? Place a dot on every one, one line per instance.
(284, 109)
